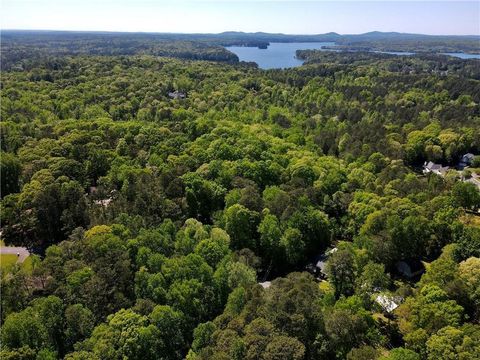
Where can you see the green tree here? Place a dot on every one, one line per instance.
(372, 279)
(24, 329)
(284, 348)
(341, 271)
(451, 343)
(270, 234)
(10, 168)
(215, 248)
(79, 323)
(466, 195)
(401, 354)
(171, 327)
(293, 245)
(241, 224)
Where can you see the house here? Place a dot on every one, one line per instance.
(466, 160)
(387, 302)
(103, 202)
(265, 284)
(176, 95)
(438, 169)
(319, 265)
(410, 268)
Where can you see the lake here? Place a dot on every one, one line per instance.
(463, 55)
(277, 55)
(282, 55)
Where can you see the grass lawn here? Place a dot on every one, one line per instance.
(27, 265)
(7, 261)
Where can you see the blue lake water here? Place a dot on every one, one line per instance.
(464, 56)
(277, 55)
(282, 55)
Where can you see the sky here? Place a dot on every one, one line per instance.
(200, 16)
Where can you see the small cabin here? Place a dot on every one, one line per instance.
(410, 268)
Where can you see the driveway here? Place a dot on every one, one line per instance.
(475, 180)
(22, 252)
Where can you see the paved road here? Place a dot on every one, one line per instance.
(21, 251)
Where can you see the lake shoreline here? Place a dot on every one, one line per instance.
(282, 55)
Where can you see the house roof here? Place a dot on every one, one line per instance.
(387, 302)
(265, 284)
(466, 160)
(431, 166)
(176, 94)
(321, 259)
(322, 264)
(103, 202)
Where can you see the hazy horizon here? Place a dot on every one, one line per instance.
(225, 31)
(287, 17)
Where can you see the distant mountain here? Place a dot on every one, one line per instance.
(397, 35)
(254, 35)
(367, 35)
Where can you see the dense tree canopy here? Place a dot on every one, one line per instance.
(156, 217)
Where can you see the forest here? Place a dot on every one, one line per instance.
(185, 227)
(21, 47)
